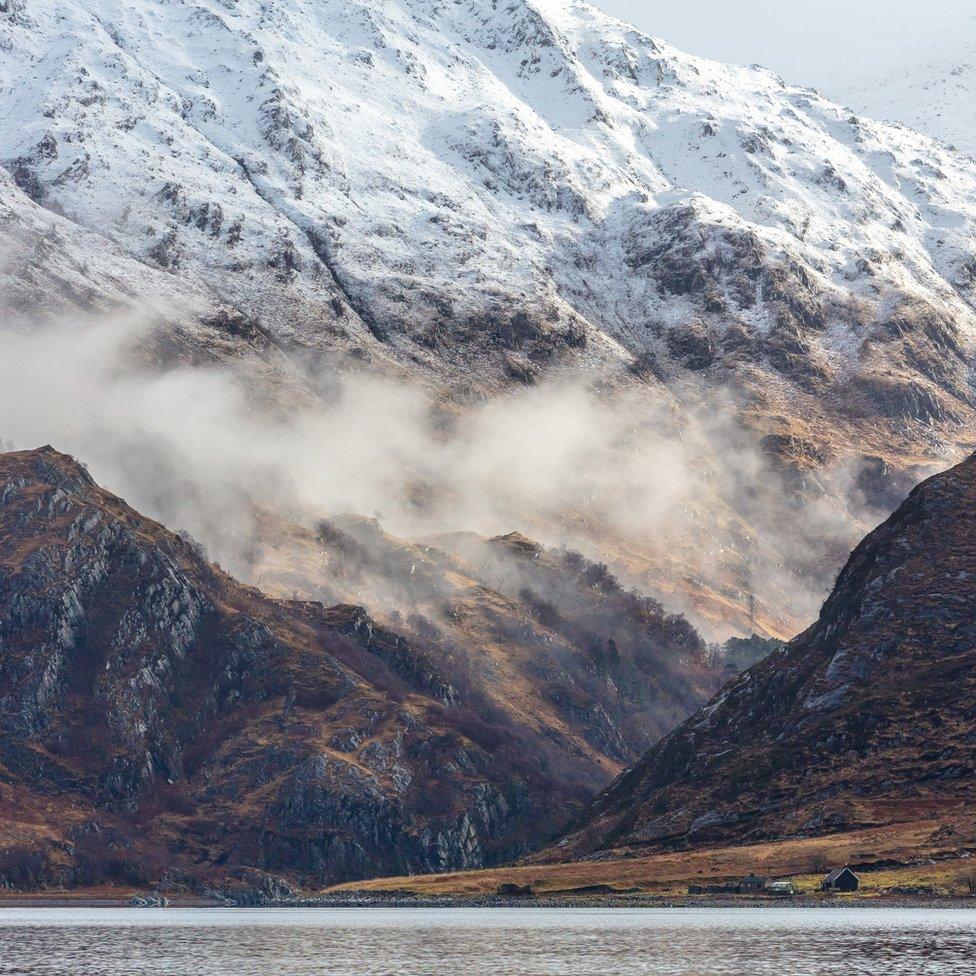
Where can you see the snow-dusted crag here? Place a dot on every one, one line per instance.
(504, 185)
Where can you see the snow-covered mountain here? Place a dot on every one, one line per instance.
(501, 183)
(896, 60)
(934, 96)
(925, 79)
(479, 193)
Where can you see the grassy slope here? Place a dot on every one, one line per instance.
(902, 855)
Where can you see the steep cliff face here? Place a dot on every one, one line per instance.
(158, 718)
(866, 718)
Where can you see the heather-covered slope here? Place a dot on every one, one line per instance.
(159, 719)
(545, 633)
(867, 718)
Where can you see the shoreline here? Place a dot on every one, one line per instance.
(39, 900)
(634, 901)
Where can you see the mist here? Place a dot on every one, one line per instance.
(674, 496)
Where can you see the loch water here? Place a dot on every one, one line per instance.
(486, 942)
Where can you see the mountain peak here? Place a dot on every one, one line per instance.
(49, 466)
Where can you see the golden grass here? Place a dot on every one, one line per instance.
(803, 860)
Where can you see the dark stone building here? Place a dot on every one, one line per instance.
(840, 879)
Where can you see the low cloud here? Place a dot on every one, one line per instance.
(633, 477)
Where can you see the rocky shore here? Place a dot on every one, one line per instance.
(61, 899)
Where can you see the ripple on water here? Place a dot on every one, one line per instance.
(486, 942)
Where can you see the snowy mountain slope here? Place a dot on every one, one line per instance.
(925, 77)
(896, 60)
(53, 270)
(467, 176)
(474, 195)
(935, 96)
(51, 266)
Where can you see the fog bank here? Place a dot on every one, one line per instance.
(685, 488)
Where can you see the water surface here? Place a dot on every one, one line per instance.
(486, 942)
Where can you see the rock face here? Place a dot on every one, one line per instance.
(159, 721)
(867, 718)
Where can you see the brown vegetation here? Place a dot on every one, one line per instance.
(863, 720)
(888, 859)
(159, 720)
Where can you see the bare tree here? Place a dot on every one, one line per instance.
(819, 864)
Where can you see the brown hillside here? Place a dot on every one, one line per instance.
(157, 718)
(866, 719)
